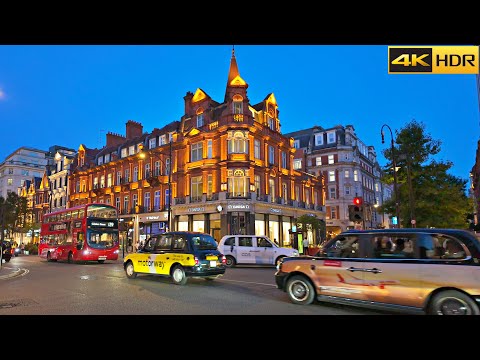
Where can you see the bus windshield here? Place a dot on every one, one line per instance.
(101, 239)
(101, 211)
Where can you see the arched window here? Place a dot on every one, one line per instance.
(238, 143)
(237, 104)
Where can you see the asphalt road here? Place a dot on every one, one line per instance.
(49, 288)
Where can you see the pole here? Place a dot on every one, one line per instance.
(394, 162)
(170, 186)
(410, 195)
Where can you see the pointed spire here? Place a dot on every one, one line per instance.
(233, 68)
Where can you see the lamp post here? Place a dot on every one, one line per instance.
(394, 163)
(170, 151)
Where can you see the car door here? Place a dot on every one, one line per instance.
(391, 269)
(246, 251)
(339, 272)
(152, 258)
(265, 251)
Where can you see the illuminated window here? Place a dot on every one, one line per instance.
(297, 164)
(196, 188)
(238, 144)
(162, 140)
(319, 161)
(197, 151)
(237, 104)
(209, 186)
(238, 183)
(95, 183)
(152, 143)
(331, 176)
(271, 186)
(102, 181)
(347, 174)
(122, 154)
(307, 196)
(330, 159)
(333, 212)
(257, 149)
(131, 150)
(355, 175)
(109, 180)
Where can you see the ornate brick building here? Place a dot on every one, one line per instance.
(224, 168)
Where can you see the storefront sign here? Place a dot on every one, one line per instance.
(238, 207)
(152, 218)
(196, 209)
(275, 211)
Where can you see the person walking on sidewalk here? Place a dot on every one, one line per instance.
(305, 246)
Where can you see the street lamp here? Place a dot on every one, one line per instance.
(394, 163)
(142, 155)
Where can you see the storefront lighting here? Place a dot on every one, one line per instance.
(223, 187)
(252, 188)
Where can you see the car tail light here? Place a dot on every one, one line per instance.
(224, 260)
(196, 261)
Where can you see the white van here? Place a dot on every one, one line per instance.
(252, 249)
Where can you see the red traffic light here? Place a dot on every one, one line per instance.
(357, 201)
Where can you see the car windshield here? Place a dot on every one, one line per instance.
(204, 242)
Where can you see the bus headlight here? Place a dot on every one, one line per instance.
(86, 252)
(116, 251)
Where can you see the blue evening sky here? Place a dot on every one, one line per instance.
(72, 94)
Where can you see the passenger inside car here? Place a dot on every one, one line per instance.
(453, 250)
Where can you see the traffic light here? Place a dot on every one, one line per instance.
(357, 201)
(355, 213)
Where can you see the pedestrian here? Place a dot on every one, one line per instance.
(275, 241)
(305, 246)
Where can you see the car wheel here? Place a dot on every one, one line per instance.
(178, 275)
(70, 258)
(130, 271)
(452, 302)
(49, 257)
(230, 261)
(300, 290)
(101, 261)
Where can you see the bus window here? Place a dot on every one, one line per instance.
(68, 215)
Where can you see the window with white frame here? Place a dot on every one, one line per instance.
(355, 175)
(125, 203)
(284, 159)
(318, 161)
(271, 185)
(135, 173)
(331, 137)
(146, 201)
(271, 122)
(331, 176)
(333, 212)
(95, 183)
(348, 190)
(331, 159)
(167, 198)
(257, 184)
(170, 137)
(209, 148)
(319, 139)
(297, 193)
(271, 155)
(117, 202)
(109, 179)
(162, 140)
(147, 170)
(127, 176)
(167, 166)
(199, 118)
(107, 158)
(102, 181)
(123, 152)
(197, 151)
(238, 143)
(238, 182)
(100, 160)
(152, 143)
(333, 193)
(256, 144)
(377, 187)
(131, 150)
(238, 105)
(134, 200)
(297, 164)
(209, 186)
(156, 169)
(347, 174)
(296, 144)
(196, 187)
(119, 177)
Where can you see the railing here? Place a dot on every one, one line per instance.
(239, 195)
(180, 200)
(301, 204)
(212, 197)
(195, 199)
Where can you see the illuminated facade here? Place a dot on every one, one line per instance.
(231, 171)
(58, 176)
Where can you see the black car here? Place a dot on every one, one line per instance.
(6, 250)
(178, 255)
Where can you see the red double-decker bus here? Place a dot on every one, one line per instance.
(82, 233)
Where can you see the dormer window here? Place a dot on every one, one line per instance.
(199, 118)
(162, 140)
(107, 158)
(152, 143)
(100, 160)
(237, 104)
(124, 152)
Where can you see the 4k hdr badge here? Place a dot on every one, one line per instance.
(433, 59)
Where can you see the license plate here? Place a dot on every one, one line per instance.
(213, 263)
(102, 258)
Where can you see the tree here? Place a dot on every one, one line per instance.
(306, 222)
(427, 193)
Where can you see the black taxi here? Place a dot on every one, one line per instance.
(178, 255)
